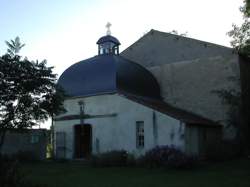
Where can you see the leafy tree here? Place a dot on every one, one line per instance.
(28, 92)
(241, 34)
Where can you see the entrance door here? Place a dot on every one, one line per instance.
(83, 136)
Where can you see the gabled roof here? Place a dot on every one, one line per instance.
(165, 108)
(157, 48)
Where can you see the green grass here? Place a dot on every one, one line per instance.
(227, 174)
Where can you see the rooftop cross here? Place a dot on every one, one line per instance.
(108, 28)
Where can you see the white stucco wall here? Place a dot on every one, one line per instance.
(119, 131)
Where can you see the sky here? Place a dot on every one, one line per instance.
(65, 31)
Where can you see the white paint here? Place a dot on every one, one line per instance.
(119, 132)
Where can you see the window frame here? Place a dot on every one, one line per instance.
(140, 135)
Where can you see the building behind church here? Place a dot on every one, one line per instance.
(159, 91)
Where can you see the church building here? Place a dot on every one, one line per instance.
(129, 102)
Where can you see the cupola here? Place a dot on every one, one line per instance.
(108, 44)
(108, 73)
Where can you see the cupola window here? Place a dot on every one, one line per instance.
(108, 44)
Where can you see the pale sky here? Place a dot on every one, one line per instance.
(66, 31)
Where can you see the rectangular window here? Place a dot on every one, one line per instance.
(140, 134)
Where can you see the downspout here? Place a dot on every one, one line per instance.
(155, 129)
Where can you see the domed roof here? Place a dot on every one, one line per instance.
(108, 74)
(108, 38)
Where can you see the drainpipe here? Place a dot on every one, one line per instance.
(155, 129)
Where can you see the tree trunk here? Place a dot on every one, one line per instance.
(52, 137)
(2, 137)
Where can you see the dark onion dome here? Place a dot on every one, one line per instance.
(105, 74)
(108, 38)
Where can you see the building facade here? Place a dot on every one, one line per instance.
(159, 91)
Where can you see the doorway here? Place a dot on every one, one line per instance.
(83, 140)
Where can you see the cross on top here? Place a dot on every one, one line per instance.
(108, 28)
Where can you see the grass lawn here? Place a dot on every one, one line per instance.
(227, 174)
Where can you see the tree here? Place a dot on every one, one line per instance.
(14, 46)
(241, 43)
(241, 34)
(247, 8)
(28, 92)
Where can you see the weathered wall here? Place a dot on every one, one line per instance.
(32, 142)
(190, 85)
(189, 71)
(159, 48)
(119, 131)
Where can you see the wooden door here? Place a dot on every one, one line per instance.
(83, 137)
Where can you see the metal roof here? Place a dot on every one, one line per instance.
(166, 108)
(108, 38)
(108, 74)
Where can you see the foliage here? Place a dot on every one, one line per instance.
(14, 46)
(231, 97)
(160, 156)
(111, 158)
(241, 42)
(28, 93)
(241, 37)
(25, 156)
(10, 175)
(241, 34)
(167, 157)
(246, 8)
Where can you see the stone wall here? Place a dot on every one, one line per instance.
(189, 72)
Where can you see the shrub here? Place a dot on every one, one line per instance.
(167, 157)
(27, 156)
(227, 150)
(10, 175)
(131, 161)
(111, 158)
